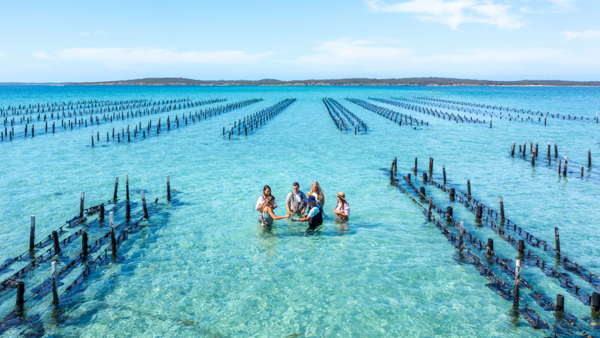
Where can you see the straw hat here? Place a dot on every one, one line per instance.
(342, 196)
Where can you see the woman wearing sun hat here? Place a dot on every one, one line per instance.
(342, 209)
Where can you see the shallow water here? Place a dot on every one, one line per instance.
(203, 266)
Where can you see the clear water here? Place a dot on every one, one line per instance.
(204, 267)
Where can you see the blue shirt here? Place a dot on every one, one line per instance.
(314, 210)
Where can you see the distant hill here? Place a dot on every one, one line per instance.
(416, 81)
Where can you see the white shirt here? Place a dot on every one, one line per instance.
(261, 200)
(346, 208)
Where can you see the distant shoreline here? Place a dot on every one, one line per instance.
(253, 85)
(351, 82)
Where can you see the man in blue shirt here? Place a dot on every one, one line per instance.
(315, 214)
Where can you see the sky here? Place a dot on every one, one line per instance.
(76, 41)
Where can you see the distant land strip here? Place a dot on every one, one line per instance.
(416, 81)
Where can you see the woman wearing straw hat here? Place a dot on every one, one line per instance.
(342, 209)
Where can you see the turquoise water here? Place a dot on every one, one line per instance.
(203, 266)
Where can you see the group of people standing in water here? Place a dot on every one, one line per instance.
(306, 207)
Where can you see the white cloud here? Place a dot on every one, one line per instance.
(2, 54)
(591, 34)
(346, 55)
(41, 55)
(453, 12)
(96, 33)
(563, 4)
(345, 52)
(124, 56)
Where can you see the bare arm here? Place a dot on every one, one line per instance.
(270, 211)
(337, 212)
(305, 219)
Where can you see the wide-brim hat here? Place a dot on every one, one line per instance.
(342, 196)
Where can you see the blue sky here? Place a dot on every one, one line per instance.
(55, 41)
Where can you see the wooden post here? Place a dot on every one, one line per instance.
(54, 286)
(452, 194)
(113, 241)
(532, 158)
(84, 243)
(555, 150)
(512, 150)
(81, 205)
(557, 241)
(444, 174)
(127, 211)
(32, 234)
(168, 189)
(565, 166)
(548, 149)
(429, 212)
(589, 158)
(460, 236)
(415, 169)
(144, 205)
(595, 301)
(490, 246)
(521, 246)
(116, 187)
(430, 165)
(92, 139)
(501, 209)
(101, 212)
(424, 177)
(449, 212)
(479, 212)
(560, 303)
(127, 187)
(517, 280)
(20, 294)
(469, 189)
(56, 243)
(559, 166)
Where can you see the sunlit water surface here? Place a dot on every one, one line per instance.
(204, 267)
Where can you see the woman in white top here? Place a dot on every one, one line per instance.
(342, 209)
(315, 190)
(263, 198)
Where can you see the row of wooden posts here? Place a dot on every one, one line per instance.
(389, 114)
(463, 249)
(476, 112)
(534, 155)
(198, 115)
(84, 244)
(406, 104)
(80, 122)
(117, 112)
(594, 298)
(545, 115)
(258, 119)
(342, 117)
(55, 107)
